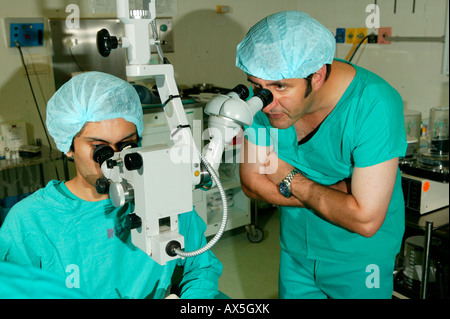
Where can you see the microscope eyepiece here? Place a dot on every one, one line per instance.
(102, 153)
(242, 91)
(265, 96)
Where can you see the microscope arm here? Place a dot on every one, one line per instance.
(227, 114)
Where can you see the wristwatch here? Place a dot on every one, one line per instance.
(285, 185)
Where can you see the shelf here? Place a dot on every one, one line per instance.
(236, 218)
(440, 218)
(45, 157)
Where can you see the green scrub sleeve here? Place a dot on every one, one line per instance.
(201, 273)
(387, 138)
(11, 245)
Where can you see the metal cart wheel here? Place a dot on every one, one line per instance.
(254, 234)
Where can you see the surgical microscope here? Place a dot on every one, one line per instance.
(158, 181)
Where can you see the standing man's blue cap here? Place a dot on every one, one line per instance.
(285, 45)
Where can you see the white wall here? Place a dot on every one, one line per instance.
(205, 44)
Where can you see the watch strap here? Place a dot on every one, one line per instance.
(290, 176)
(285, 185)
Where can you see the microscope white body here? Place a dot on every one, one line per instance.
(160, 188)
(161, 191)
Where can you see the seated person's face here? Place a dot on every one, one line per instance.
(93, 134)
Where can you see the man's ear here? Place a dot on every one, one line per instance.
(319, 77)
(69, 154)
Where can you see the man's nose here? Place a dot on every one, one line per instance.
(115, 148)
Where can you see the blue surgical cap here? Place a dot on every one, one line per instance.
(91, 97)
(285, 45)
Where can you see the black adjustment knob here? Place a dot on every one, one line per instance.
(134, 221)
(242, 91)
(133, 161)
(102, 185)
(110, 163)
(171, 247)
(265, 96)
(102, 153)
(106, 43)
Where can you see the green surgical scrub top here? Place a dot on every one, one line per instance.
(365, 128)
(20, 282)
(89, 245)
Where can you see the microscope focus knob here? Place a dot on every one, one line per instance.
(133, 161)
(120, 193)
(105, 42)
(102, 185)
(134, 221)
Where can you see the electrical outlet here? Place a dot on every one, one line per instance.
(350, 35)
(340, 35)
(383, 33)
(372, 35)
(361, 33)
(373, 38)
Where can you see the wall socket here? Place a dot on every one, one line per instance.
(350, 35)
(361, 33)
(383, 33)
(340, 35)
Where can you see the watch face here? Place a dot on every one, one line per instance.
(284, 189)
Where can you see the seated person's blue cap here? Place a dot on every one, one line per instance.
(285, 45)
(91, 97)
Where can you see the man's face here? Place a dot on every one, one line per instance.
(289, 103)
(107, 132)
